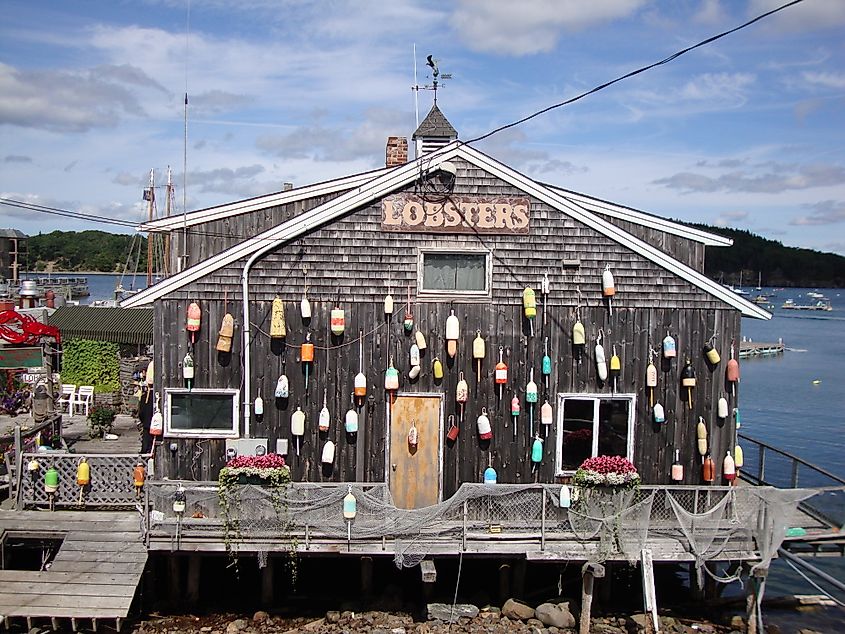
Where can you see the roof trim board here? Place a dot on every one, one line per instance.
(261, 202)
(382, 184)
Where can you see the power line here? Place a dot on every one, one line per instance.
(642, 69)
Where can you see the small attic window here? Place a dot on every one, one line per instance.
(454, 273)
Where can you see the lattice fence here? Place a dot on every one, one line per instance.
(111, 481)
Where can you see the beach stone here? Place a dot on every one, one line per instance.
(260, 617)
(737, 623)
(557, 615)
(332, 616)
(236, 626)
(443, 611)
(517, 610)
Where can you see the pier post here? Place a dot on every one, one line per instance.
(193, 585)
(504, 582)
(590, 571)
(267, 573)
(366, 578)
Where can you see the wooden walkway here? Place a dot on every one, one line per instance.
(762, 349)
(93, 576)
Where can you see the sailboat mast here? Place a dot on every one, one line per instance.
(168, 208)
(150, 234)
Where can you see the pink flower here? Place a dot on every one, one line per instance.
(267, 461)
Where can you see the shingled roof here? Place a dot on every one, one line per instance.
(120, 325)
(436, 125)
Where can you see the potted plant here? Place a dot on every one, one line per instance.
(607, 471)
(269, 470)
(100, 421)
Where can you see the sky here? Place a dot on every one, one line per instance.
(747, 132)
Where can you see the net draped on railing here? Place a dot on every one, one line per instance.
(708, 522)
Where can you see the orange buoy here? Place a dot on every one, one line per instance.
(194, 320)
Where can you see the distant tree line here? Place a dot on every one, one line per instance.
(750, 256)
(754, 257)
(85, 251)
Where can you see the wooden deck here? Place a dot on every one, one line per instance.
(760, 349)
(93, 576)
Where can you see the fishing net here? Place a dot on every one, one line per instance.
(727, 523)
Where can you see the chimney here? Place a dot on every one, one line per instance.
(397, 151)
(286, 187)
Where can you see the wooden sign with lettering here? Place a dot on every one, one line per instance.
(458, 214)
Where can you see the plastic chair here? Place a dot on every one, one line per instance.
(67, 397)
(84, 398)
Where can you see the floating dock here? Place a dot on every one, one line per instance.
(757, 349)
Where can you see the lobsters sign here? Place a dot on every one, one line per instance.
(458, 214)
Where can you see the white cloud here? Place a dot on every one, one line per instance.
(826, 212)
(806, 16)
(778, 178)
(505, 27)
(711, 12)
(825, 79)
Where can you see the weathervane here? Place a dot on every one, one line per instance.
(436, 78)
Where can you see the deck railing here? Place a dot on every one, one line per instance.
(767, 465)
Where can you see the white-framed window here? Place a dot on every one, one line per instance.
(451, 272)
(201, 412)
(593, 425)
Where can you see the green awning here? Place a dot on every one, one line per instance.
(119, 325)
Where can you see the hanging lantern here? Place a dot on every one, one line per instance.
(729, 468)
(579, 340)
(601, 362)
(708, 470)
(227, 332)
(732, 371)
(501, 373)
(669, 349)
(437, 368)
(420, 339)
(278, 328)
(615, 369)
(485, 431)
(452, 333)
(194, 319)
(391, 378)
(350, 505)
(677, 467)
(388, 306)
(608, 287)
(328, 453)
(547, 363)
(351, 421)
(688, 380)
(479, 351)
(413, 436)
(529, 305)
(306, 355)
(711, 354)
(489, 475)
(722, 408)
(338, 321)
(297, 426)
(282, 388)
(188, 370)
(537, 450)
(701, 435)
(408, 322)
(658, 413)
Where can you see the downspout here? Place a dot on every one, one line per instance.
(246, 328)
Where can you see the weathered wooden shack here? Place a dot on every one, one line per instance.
(453, 231)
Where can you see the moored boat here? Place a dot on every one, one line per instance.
(822, 304)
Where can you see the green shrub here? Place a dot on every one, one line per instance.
(87, 362)
(100, 420)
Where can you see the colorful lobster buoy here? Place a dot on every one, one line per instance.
(157, 421)
(608, 287)
(194, 320)
(415, 361)
(461, 396)
(226, 334)
(258, 407)
(658, 413)
(536, 452)
(688, 380)
(408, 322)
(305, 307)
(615, 370)
(739, 457)
(722, 408)
(732, 371)
(350, 423)
(419, 337)
(711, 354)
(454, 430)
(708, 469)
(479, 351)
(501, 373)
(282, 387)
(546, 416)
(360, 389)
(651, 378)
(388, 306)
(565, 497)
(729, 468)
(306, 355)
(490, 475)
(297, 426)
(529, 306)
(531, 398)
(139, 476)
(325, 417)
(83, 473)
(677, 467)
(188, 370)
(350, 510)
(327, 456)
(701, 435)
(452, 333)
(514, 413)
(547, 363)
(278, 327)
(601, 361)
(670, 350)
(337, 321)
(579, 340)
(437, 368)
(485, 431)
(51, 484)
(391, 378)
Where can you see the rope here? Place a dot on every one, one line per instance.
(457, 585)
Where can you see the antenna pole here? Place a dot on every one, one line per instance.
(184, 259)
(416, 89)
(150, 234)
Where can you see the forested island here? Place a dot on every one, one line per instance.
(750, 256)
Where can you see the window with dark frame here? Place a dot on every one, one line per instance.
(593, 425)
(454, 272)
(201, 412)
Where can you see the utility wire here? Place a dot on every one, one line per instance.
(642, 69)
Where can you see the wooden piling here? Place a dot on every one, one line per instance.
(590, 571)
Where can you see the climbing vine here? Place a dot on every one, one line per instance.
(87, 362)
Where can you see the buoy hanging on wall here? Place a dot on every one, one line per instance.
(388, 305)
(579, 340)
(408, 322)
(485, 431)
(413, 436)
(677, 467)
(547, 363)
(328, 453)
(601, 362)
(658, 413)
(608, 287)
(258, 407)
(489, 475)
(546, 417)
(188, 370)
(461, 396)
(615, 370)
(282, 387)
(278, 327)
(531, 398)
(688, 380)
(501, 373)
(338, 320)
(297, 426)
(391, 378)
(670, 350)
(306, 354)
(729, 468)
(420, 339)
(227, 332)
(437, 368)
(351, 421)
(452, 333)
(325, 417)
(414, 356)
(732, 371)
(708, 469)
(529, 306)
(305, 307)
(360, 389)
(514, 413)
(194, 320)
(722, 408)
(479, 351)
(710, 353)
(651, 377)
(701, 435)
(536, 451)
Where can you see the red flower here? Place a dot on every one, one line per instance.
(267, 461)
(608, 464)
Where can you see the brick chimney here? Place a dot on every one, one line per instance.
(397, 151)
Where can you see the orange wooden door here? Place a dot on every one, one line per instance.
(414, 473)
